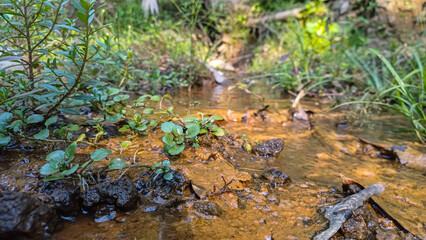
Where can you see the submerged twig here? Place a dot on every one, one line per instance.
(341, 212)
(224, 189)
(134, 155)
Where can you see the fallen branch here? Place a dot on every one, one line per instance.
(341, 212)
(275, 17)
(351, 187)
(218, 76)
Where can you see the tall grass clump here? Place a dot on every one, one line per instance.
(401, 92)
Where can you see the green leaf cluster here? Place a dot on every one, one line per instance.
(174, 138)
(60, 164)
(193, 127)
(162, 168)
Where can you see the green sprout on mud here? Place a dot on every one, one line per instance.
(125, 145)
(137, 126)
(18, 127)
(205, 124)
(60, 164)
(194, 126)
(162, 168)
(174, 138)
(149, 116)
(246, 144)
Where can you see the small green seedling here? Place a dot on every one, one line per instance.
(162, 168)
(246, 144)
(206, 124)
(174, 138)
(99, 126)
(59, 164)
(194, 126)
(137, 126)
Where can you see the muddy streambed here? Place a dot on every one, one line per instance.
(222, 191)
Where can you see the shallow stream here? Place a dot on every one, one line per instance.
(312, 158)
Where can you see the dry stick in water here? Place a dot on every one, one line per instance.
(341, 212)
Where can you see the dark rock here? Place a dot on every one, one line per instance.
(120, 193)
(276, 177)
(161, 191)
(269, 148)
(365, 224)
(355, 228)
(22, 215)
(242, 202)
(105, 213)
(64, 197)
(111, 131)
(383, 235)
(207, 209)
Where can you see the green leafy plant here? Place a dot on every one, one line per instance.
(246, 144)
(194, 126)
(60, 161)
(162, 168)
(174, 138)
(66, 131)
(206, 124)
(49, 55)
(150, 115)
(60, 164)
(136, 126)
(18, 127)
(106, 100)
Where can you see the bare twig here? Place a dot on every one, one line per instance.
(223, 190)
(134, 155)
(341, 212)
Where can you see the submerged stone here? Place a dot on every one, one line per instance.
(161, 191)
(276, 177)
(269, 148)
(120, 193)
(207, 209)
(105, 213)
(22, 215)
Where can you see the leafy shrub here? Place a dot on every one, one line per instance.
(54, 54)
